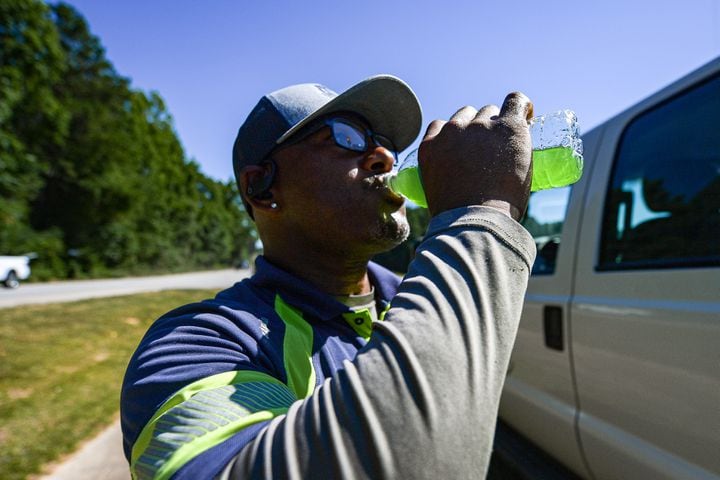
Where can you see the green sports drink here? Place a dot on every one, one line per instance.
(407, 183)
(557, 158)
(555, 167)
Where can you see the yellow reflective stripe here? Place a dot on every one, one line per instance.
(382, 314)
(263, 400)
(360, 321)
(297, 349)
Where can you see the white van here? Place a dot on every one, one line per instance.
(13, 269)
(616, 368)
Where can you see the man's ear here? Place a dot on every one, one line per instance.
(256, 183)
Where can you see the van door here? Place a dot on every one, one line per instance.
(646, 314)
(538, 399)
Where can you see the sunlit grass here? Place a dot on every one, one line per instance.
(61, 367)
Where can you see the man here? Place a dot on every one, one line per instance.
(307, 370)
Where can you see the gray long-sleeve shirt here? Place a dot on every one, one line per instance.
(420, 399)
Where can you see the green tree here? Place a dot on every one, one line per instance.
(85, 185)
(32, 119)
(92, 174)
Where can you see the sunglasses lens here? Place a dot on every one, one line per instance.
(349, 137)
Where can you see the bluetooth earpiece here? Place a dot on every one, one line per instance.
(258, 188)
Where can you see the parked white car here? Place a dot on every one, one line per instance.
(13, 269)
(615, 373)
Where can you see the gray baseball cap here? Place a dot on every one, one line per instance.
(386, 102)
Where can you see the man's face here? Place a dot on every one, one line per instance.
(334, 199)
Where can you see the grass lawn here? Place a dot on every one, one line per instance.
(61, 367)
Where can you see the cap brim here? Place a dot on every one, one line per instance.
(385, 101)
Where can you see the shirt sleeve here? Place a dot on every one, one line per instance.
(421, 399)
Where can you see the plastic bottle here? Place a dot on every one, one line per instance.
(557, 158)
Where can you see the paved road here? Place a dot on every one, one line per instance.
(53, 292)
(101, 457)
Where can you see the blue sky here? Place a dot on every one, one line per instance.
(212, 60)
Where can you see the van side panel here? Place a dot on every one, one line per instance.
(646, 340)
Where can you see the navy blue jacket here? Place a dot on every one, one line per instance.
(243, 329)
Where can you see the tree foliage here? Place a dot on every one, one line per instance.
(92, 175)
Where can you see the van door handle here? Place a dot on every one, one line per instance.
(552, 322)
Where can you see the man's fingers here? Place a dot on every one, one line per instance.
(463, 116)
(488, 112)
(516, 104)
(460, 118)
(434, 128)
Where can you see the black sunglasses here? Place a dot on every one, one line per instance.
(348, 135)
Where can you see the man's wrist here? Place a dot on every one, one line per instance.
(500, 205)
(505, 207)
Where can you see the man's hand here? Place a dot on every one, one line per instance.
(480, 158)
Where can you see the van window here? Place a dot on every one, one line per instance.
(544, 220)
(662, 209)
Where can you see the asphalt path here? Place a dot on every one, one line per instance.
(101, 457)
(68, 291)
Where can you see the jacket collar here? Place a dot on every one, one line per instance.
(308, 299)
